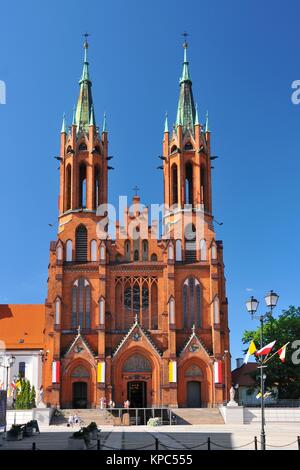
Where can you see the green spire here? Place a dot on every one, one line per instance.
(85, 99)
(185, 72)
(196, 117)
(186, 112)
(64, 125)
(166, 124)
(104, 127)
(206, 123)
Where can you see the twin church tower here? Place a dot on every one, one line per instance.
(136, 317)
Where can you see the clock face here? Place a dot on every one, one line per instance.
(137, 302)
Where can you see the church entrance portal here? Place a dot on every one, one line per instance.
(137, 394)
(79, 395)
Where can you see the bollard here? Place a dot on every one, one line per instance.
(98, 444)
(156, 443)
(298, 439)
(255, 442)
(208, 443)
(33, 446)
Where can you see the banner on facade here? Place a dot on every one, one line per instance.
(218, 372)
(56, 372)
(173, 371)
(101, 372)
(3, 402)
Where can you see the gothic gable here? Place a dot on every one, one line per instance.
(79, 348)
(194, 345)
(137, 335)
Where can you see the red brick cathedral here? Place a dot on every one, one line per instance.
(136, 316)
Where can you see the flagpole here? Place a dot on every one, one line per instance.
(276, 352)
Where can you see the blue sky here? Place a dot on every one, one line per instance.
(243, 58)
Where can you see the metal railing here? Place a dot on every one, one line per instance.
(269, 403)
(141, 416)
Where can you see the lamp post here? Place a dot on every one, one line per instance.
(252, 305)
(7, 364)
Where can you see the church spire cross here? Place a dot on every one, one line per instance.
(136, 189)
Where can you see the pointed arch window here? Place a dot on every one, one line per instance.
(59, 252)
(189, 183)
(82, 147)
(172, 311)
(178, 250)
(102, 252)
(203, 188)
(81, 304)
(203, 250)
(127, 250)
(191, 303)
(213, 251)
(57, 311)
(170, 251)
(174, 173)
(69, 250)
(93, 250)
(82, 186)
(136, 255)
(102, 311)
(68, 186)
(190, 243)
(188, 146)
(216, 308)
(145, 250)
(96, 186)
(153, 257)
(81, 243)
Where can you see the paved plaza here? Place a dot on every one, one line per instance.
(170, 437)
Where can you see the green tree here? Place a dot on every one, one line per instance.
(25, 398)
(284, 376)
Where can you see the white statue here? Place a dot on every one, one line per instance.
(232, 401)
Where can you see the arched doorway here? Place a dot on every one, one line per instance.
(137, 381)
(193, 394)
(79, 394)
(80, 378)
(137, 393)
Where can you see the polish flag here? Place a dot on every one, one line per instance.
(218, 372)
(56, 372)
(281, 352)
(266, 349)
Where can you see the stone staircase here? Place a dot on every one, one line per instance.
(198, 416)
(104, 417)
(86, 416)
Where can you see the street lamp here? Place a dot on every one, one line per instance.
(7, 364)
(252, 305)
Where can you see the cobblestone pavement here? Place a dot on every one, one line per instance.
(169, 437)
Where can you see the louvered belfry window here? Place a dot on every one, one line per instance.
(81, 243)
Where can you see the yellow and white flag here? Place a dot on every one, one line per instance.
(252, 349)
